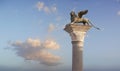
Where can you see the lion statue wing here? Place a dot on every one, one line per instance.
(81, 13)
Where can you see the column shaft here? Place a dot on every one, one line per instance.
(77, 56)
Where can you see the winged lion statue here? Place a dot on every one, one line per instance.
(79, 18)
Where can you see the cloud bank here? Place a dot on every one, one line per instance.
(35, 50)
(42, 7)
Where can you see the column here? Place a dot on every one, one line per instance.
(77, 33)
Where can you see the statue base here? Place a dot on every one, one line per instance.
(77, 27)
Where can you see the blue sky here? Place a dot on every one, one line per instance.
(33, 39)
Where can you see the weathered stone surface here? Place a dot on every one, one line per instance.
(77, 33)
(76, 27)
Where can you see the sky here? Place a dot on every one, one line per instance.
(32, 36)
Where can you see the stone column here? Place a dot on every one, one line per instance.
(77, 33)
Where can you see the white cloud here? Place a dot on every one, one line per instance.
(58, 18)
(40, 5)
(51, 44)
(49, 59)
(53, 9)
(118, 13)
(34, 49)
(47, 9)
(51, 27)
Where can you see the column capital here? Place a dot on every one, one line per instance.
(76, 27)
(77, 31)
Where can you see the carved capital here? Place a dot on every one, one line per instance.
(77, 36)
(77, 31)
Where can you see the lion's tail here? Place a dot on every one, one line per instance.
(94, 25)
